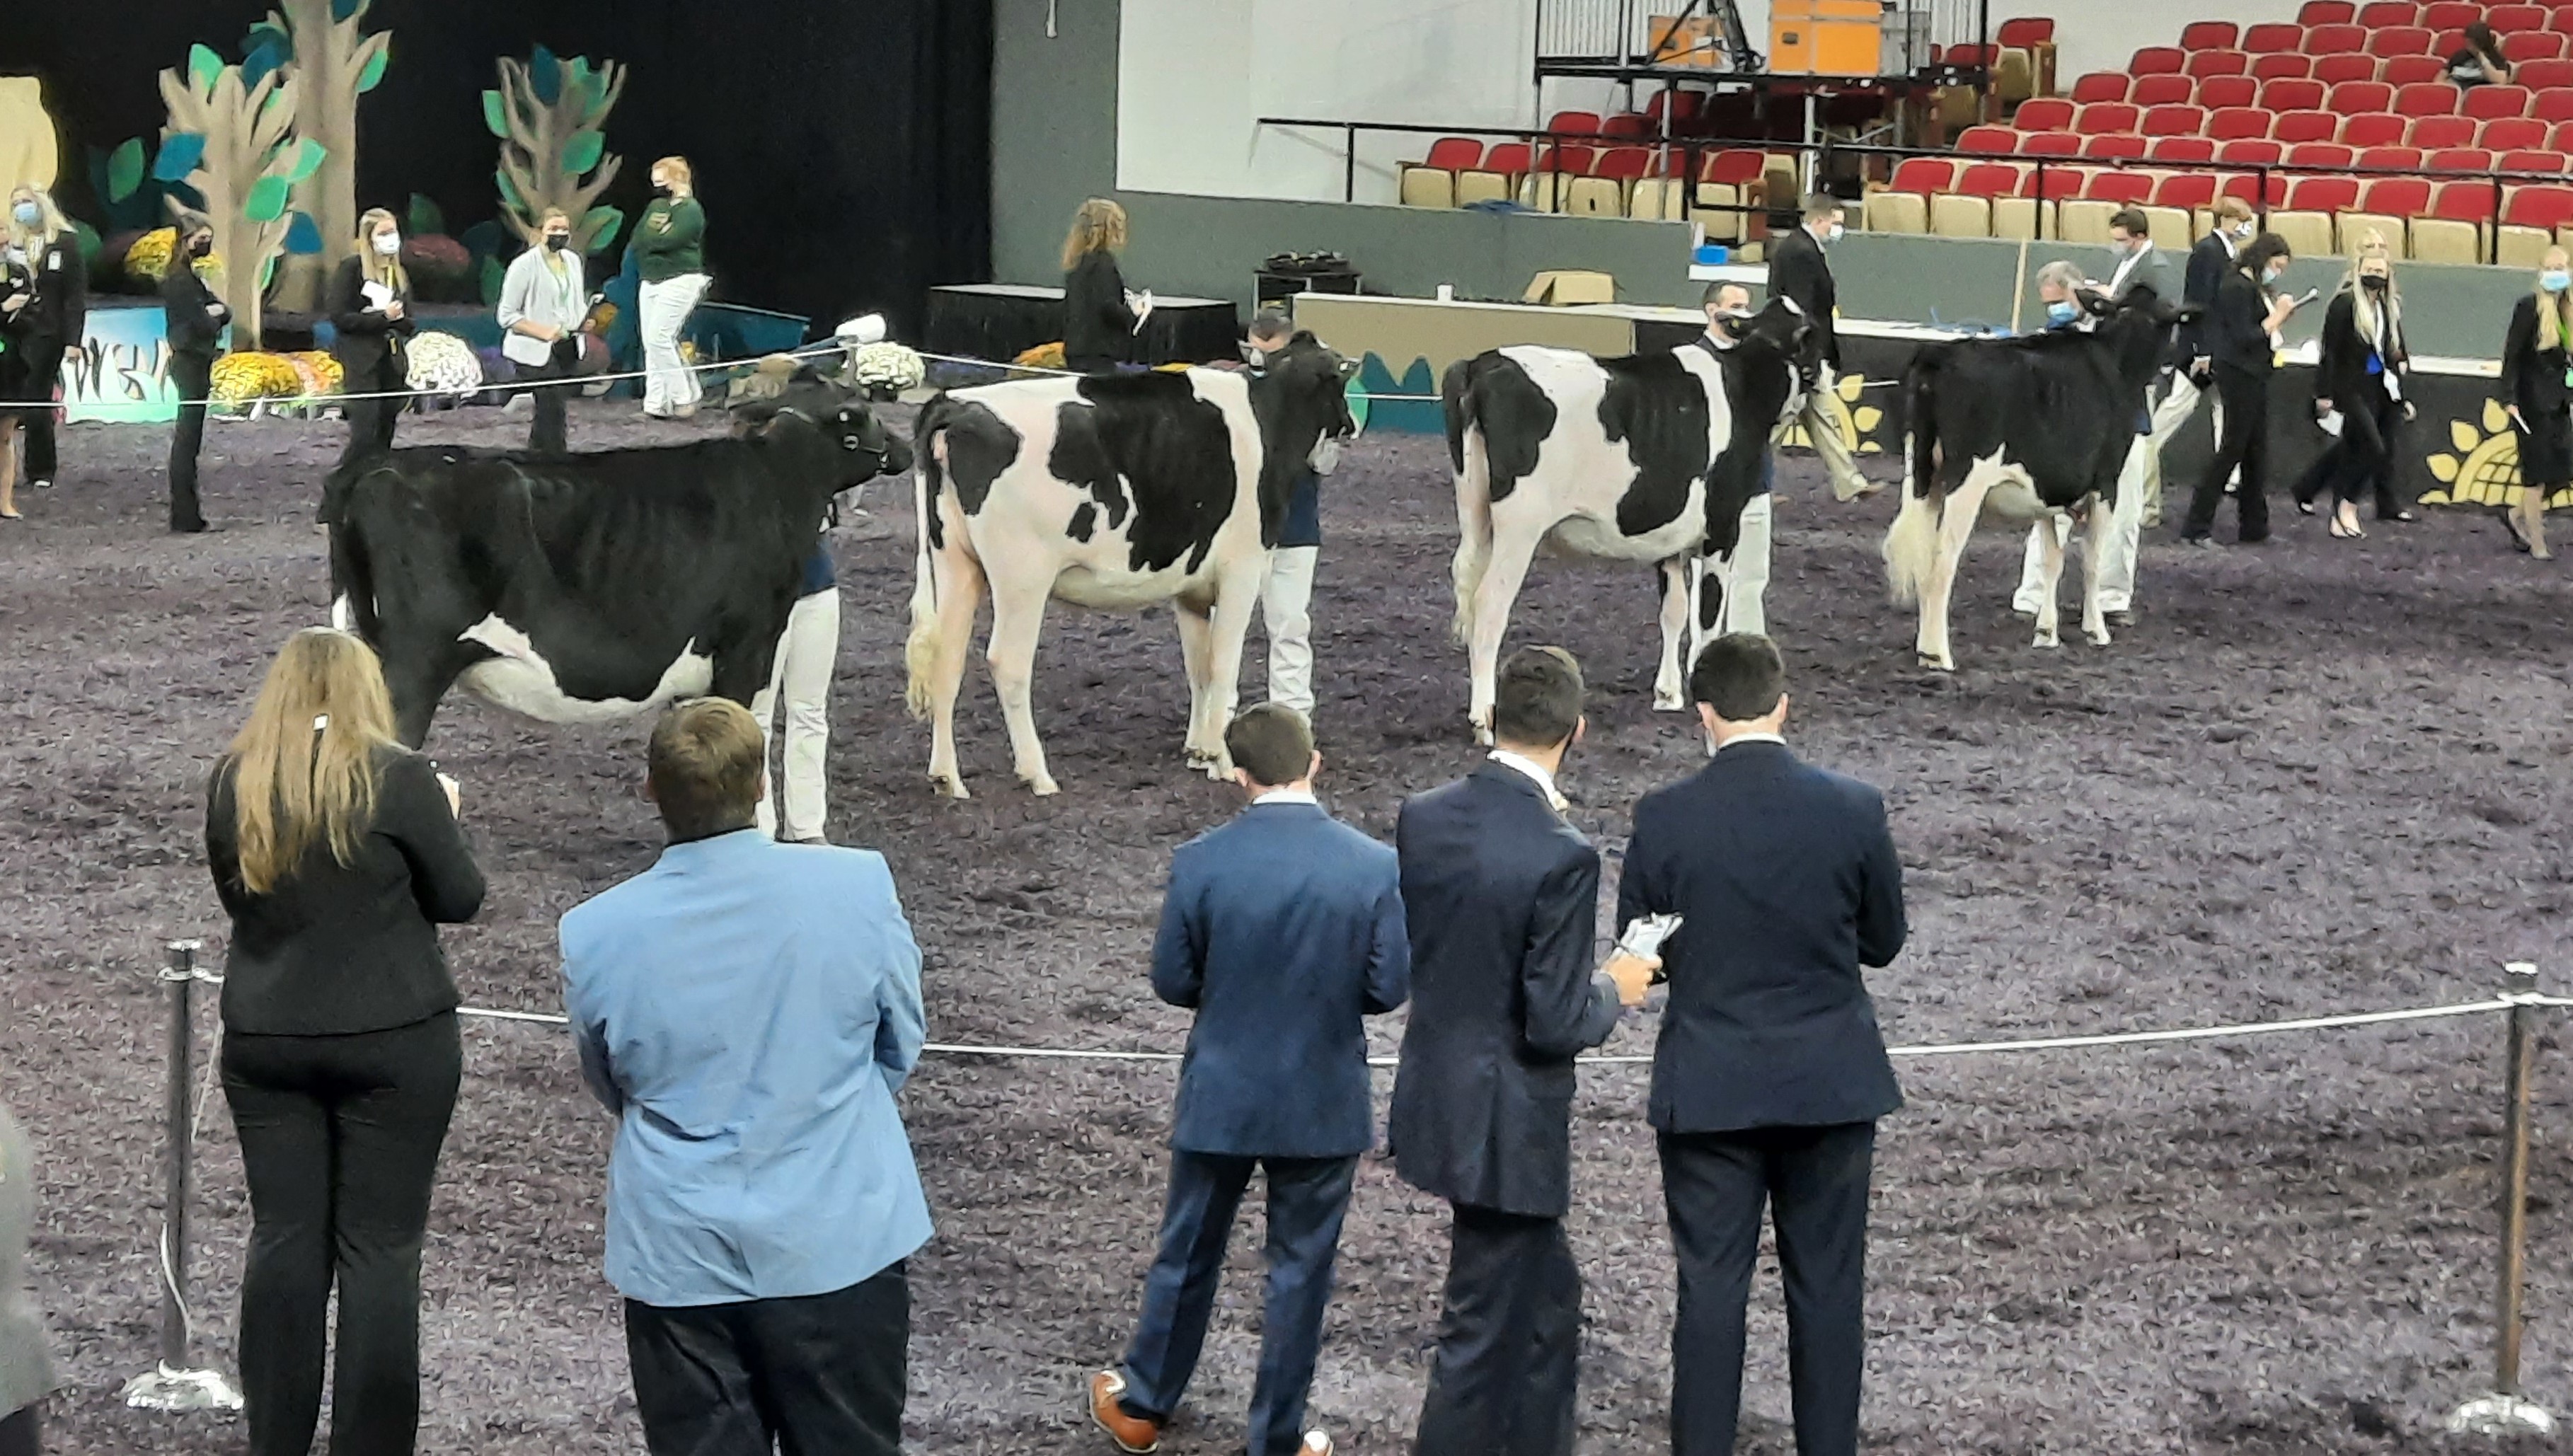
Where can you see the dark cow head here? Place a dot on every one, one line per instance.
(1778, 335)
(809, 399)
(1301, 401)
(2137, 326)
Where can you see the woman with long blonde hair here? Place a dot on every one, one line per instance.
(670, 257)
(338, 853)
(2538, 388)
(2363, 378)
(1099, 315)
(369, 305)
(43, 252)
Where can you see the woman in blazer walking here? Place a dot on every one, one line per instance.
(2243, 338)
(2363, 378)
(336, 852)
(2536, 386)
(370, 306)
(43, 242)
(543, 298)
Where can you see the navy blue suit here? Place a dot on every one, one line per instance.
(1770, 1073)
(1282, 931)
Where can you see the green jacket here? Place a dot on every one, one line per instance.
(671, 239)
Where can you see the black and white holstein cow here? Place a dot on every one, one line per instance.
(595, 585)
(2037, 428)
(1645, 459)
(1112, 490)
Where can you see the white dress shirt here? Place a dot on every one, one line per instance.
(1536, 771)
(1741, 738)
(1287, 796)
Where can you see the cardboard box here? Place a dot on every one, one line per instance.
(1560, 285)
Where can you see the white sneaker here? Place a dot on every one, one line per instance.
(1317, 1443)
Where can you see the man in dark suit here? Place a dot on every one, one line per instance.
(1502, 896)
(1770, 1073)
(2210, 260)
(1282, 931)
(1799, 274)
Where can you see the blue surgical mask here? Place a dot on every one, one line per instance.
(27, 214)
(2555, 279)
(2062, 312)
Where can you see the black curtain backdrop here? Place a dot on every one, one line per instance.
(842, 148)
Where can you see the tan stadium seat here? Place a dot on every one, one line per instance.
(1498, 178)
(1474, 187)
(1891, 212)
(2530, 219)
(1733, 180)
(2444, 239)
(2170, 228)
(2084, 220)
(1594, 196)
(2308, 235)
(2014, 77)
(2523, 247)
(1428, 187)
(1953, 216)
(2349, 228)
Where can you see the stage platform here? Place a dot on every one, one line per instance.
(1000, 322)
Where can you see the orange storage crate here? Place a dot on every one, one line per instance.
(1826, 37)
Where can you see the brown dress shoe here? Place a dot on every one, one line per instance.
(1134, 1435)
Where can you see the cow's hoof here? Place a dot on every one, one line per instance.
(1043, 786)
(2047, 641)
(2099, 638)
(951, 788)
(1668, 702)
(1937, 664)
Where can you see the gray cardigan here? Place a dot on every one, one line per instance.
(26, 1374)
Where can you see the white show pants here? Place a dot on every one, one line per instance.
(1823, 428)
(2126, 532)
(1743, 576)
(806, 655)
(1285, 599)
(663, 309)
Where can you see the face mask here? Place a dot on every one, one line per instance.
(661, 185)
(2272, 276)
(201, 248)
(2374, 282)
(2062, 312)
(27, 214)
(1833, 232)
(389, 245)
(1326, 456)
(557, 241)
(2554, 279)
(2243, 230)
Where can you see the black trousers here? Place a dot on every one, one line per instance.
(19, 1434)
(372, 421)
(44, 370)
(822, 1375)
(2246, 444)
(1309, 1197)
(547, 436)
(340, 1138)
(1509, 1340)
(192, 375)
(1815, 1181)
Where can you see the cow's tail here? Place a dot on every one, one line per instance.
(1912, 542)
(920, 649)
(1470, 456)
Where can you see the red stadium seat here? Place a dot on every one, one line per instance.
(1510, 159)
(2104, 116)
(2398, 197)
(2533, 158)
(2208, 35)
(2181, 151)
(2283, 66)
(2050, 144)
(1988, 179)
(2504, 19)
(2251, 152)
(2552, 105)
(2431, 132)
(2333, 70)
(2151, 91)
(2045, 114)
(2450, 160)
(2326, 12)
(2560, 137)
(2054, 184)
(2130, 187)
(2562, 19)
(2025, 31)
(2186, 190)
(2334, 40)
(2542, 207)
(1734, 167)
(2377, 14)
(1988, 141)
(2324, 193)
(2292, 127)
(2233, 123)
(1924, 175)
(2533, 45)
(2293, 94)
(2390, 159)
(2483, 103)
(2249, 189)
(2093, 86)
(2432, 98)
(2222, 90)
(2113, 147)
(2174, 121)
(2542, 75)
(1569, 160)
(2354, 98)
(2157, 60)
(2271, 39)
(2400, 40)
(2320, 154)
(1626, 125)
(2204, 63)
(2411, 70)
(2376, 128)
(2451, 14)
(1455, 154)
(1582, 123)
(2511, 133)
(2463, 202)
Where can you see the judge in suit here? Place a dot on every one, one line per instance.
(1799, 273)
(1502, 896)
(195, 324)
(1770, 1073)
(2537, 390)
(2208, 262)
(1282, 931)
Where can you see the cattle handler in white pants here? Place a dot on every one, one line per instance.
(1741, 576)
(2061, 284)
(806, 655)
(1286, 597)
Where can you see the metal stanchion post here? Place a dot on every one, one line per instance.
(172, 1384)
(2504, 1412)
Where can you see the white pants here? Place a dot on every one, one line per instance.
(663, 309)
(805, 657)
(1823, 428)
(1284, 600)
(2126, 529)
(1743, 576)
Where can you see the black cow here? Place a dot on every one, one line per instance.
(582, 587)
(1645, 459)
(2042, 426)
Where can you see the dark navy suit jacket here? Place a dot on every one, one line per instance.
(1788, 883)
(1282, 931)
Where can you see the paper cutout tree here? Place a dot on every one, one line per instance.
(546, 114)
(231, 149)
(320, 46)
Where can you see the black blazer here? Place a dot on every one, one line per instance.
(2531, 378)
(2341, 374)
(1098, 328)
(59, 305)
(1798, 270)
(365, 338)
(1785, 879)
(186, 302)
(347, 947)
(1501, 897)
(2234, 337)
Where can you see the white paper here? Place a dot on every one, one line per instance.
(2330, 420)
(1644, 938)
(376, 294)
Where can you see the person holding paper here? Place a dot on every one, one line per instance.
(2536, 388)
(1501, 894)
(1770, 1073)
(2250, 308)
(2360, 387)
(370, 308)
(1100, 317)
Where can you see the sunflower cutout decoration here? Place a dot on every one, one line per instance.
(2485, 468)
(1856, 422)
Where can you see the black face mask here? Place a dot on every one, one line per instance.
(557, 241)
(2372, 283)
(200, 247)
(662, 188)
